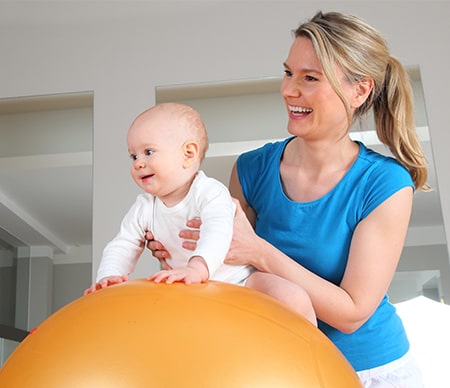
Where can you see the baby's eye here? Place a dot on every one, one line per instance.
(148, 152)
(133, 156)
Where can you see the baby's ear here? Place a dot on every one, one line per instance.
(190, 153)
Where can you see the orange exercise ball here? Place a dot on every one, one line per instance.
(143, 334)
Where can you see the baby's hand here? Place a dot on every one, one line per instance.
(106, 282)
(185, 274)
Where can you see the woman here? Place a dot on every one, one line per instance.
(324, 211)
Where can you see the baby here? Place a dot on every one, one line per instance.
(167, 144)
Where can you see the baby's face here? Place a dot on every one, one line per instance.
(155, 145)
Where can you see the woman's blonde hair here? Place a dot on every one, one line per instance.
(361, 52)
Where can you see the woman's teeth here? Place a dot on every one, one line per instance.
(299, 109)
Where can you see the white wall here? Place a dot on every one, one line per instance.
(123, 50)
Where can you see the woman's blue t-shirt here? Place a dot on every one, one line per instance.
(318, 234)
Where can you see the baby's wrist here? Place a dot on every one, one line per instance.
(198, 264)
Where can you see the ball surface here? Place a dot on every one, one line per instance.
(143, 334)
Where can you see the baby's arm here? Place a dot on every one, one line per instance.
(122, 253)
(196, 271)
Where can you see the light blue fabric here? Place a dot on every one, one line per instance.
(317, 235)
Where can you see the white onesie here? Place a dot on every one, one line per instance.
(207, 199)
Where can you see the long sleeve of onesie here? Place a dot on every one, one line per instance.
(122, 253)
(217, 215)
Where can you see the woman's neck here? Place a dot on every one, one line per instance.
(310, 170)
(320, 157)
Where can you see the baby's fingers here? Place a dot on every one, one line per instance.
(168, 277)
(158, 277)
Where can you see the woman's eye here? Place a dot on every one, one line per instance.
(287, 73)
(310, 78)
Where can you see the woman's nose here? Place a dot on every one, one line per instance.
(289, 88)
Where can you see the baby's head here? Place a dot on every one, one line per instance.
(167, 144)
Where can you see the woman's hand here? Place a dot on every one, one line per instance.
(156, 247)
(192, 235)
(189, 236)
(244, 245)
(243, 248)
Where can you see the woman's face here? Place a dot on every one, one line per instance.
(315, 111)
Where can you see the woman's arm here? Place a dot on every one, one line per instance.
(374, 254)
(236, 192)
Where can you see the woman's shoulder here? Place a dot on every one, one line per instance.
(379, 160)
(378, 167)
(374, 178)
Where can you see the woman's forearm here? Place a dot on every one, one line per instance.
(331, 303)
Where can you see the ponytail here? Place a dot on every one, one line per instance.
(393, 111)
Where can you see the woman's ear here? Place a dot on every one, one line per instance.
(362, 90)
(190, 153)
